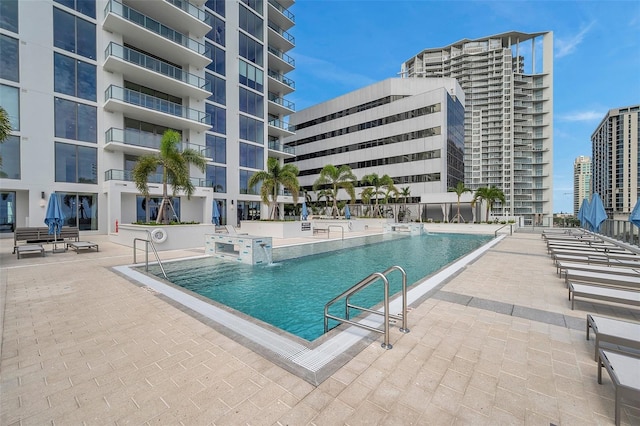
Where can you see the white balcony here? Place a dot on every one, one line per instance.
(179, 14)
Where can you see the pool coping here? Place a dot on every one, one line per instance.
(311, 361)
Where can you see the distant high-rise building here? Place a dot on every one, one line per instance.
(581, 181)
(508, 114)
(91, 86)
(616, 154)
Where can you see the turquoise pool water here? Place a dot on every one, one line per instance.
(291, 294)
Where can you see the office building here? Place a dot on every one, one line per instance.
(616, 156)
(91, 86)
(581, 182)
(410, 129)
(508, 84)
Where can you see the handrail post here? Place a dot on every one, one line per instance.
(386, 343)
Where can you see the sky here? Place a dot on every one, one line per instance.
(344, 45)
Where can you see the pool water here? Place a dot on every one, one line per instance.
(291, 294)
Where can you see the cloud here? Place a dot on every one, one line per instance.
(582, 116)
(566, 46)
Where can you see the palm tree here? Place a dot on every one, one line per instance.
(459, 189)
(175, 172)
(378, 183)
(490, 195)
(333, 179)
(404, 193)
(366, 195)
(274, 177)
(5, 127)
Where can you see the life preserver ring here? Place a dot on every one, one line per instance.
(158, 235)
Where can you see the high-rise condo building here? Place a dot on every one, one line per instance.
(581, 182)
(90, 86)
(508, 83)
(616, 159)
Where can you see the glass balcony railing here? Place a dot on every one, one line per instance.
(127, 175)
(146, 140)
(283, 10)
(151, 102)
(281, 78)
(190, 9)
(280, 124)
(291, 39)
(281, 101)
(276, 146)
(154, 26)
(153, 64)
(288, 59)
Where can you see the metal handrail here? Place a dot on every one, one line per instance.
(335, 226)
(146, 254)
(361, 285)
(510, 225)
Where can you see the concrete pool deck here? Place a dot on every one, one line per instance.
(497, 344)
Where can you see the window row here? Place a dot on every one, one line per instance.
(251, 23)
(217, 33)
(218, 88)
(10, 101)
(216, 55)
(251, 129)
(75, 121)
(216, 178)
(218, 118)
(251, 49)
(9, 58)
(251, 156)
(74, 34)
(75, 163)
(86, 7)
(251, 102)
(74, 78)
(216, 5)
(251, 76)
(216, 148)
(9, 15)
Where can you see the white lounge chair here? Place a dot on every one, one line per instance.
(602, 278)
(608, 294)
(625, 374)
(614, 334)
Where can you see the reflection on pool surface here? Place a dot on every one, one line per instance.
(291, 294)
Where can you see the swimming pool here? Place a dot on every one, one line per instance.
(291, 294)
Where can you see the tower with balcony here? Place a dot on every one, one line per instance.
(581, 181)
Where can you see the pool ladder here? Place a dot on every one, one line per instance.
(346, 295)
(146, 254)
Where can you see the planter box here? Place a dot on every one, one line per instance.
(276, 229)
(176, 237)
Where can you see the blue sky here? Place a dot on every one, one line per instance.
(343, 45)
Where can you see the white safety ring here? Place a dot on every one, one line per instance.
(158, 235)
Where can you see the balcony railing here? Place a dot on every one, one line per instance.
(132, 15)
(190, 9)
(127, 175)
(153, 64)
(283, 10)
(291, 39)
(280, 124)
(281, 101)
(146, 139)
(151, 102)
(288, 59)
(281, 78)
(276, 146)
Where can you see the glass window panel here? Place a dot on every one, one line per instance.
(7, 211)
(10, 153)
(87, 165)
(65, 117)
(87, 123)
(9, 58)
(9, 15)
(216, 5)
(10, 101)
(65, 165)
(64, 30)
(87, 7)
(86, 38)
(71, 4)
(64, 74)
(87, 212)
(86, 81)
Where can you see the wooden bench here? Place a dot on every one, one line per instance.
(40, 234)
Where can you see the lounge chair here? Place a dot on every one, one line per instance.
(82, 245)
(625, 375)
(29, 249)
(562, 267)
(602, 278)
(608, 294)
(614, 334)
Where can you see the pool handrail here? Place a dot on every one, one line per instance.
(335, 226)
(359, 286)
(146, 254)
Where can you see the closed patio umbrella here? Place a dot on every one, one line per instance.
(634, 217)
(598, 213)
(582, 213)
(305, 212)
(347, 212)
(54, 218)
(215, 215)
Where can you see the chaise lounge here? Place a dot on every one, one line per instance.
(614, 334)
(82, 245)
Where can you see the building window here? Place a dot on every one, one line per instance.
(80, 209)
(216, 178)
(216, 5)
(83, 6)
(7, 212)
(216, 55)
(10, 101)
(251, 156)
(218, 88)
(9, 15)
(217, 33)
(254, 4)
(74, 34)
(245, 175)
(9, 58)
(10, 154)
(251, 129)
(216, 148)
(251, 76)
(251, 23)
(75, 120)
(218, 118)
(250, 49)
(74, 78)
(154, 205)
(75, 163)
(251, 103)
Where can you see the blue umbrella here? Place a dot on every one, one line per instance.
(347, 212)
(582, 213)
(305, 213)
(634, 217)
(215, 215)
(54, 218)
(598, 213)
